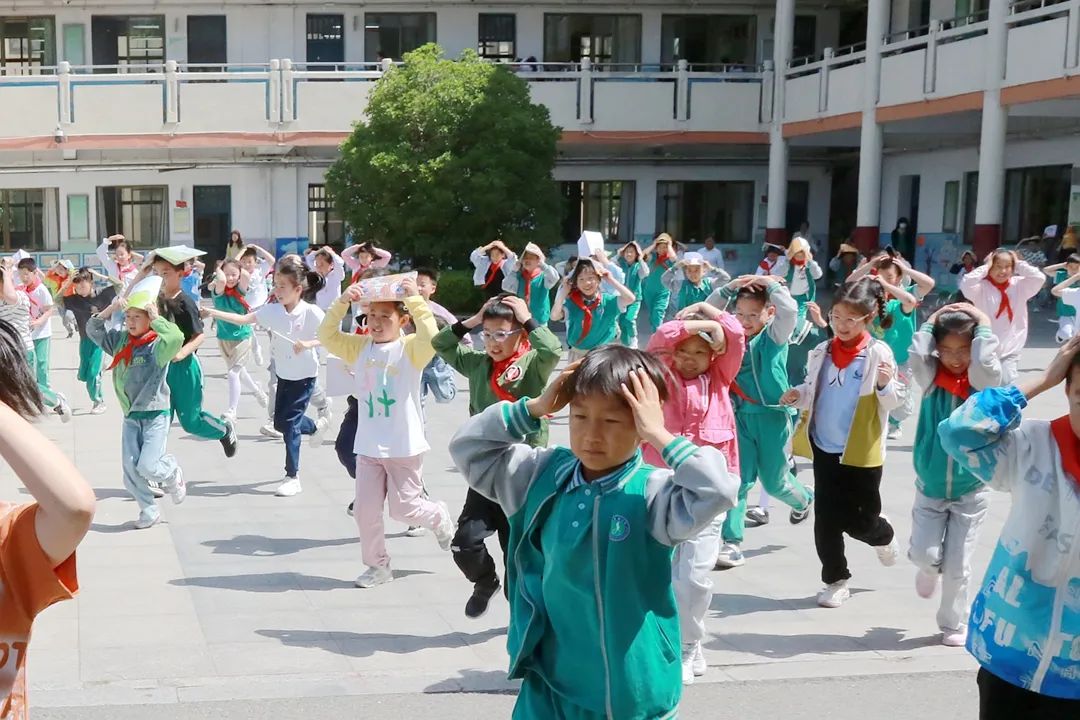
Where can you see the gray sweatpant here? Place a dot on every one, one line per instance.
(694, 559)
(943, 535)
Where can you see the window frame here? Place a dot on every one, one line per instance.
(481, 41)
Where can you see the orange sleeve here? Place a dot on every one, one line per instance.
(29, 578)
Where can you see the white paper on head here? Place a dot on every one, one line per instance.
(20, 254)
(339, 378)
(1050, 231)
(589, 242)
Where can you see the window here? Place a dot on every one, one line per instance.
(690, 211)
(28, 219)
(971, 193)
(137, 213)
(605, 206)
(78, 217)
(600, 38)
(951, 210)
(708, 39)
(1034, 198)
(804, 36)
(325, 38)
(324, 223)
(134, 42)
(27, 44)
(497, 37)
(391, 35)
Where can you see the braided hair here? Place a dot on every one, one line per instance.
(868, 297)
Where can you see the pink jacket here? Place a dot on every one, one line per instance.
(700, 409)
(1025, 284)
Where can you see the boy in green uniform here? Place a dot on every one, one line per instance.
(83, 304)
(512, 365)
(660, 256)
(635, 270)
(532, 278)
(768, 314)
(594, 630)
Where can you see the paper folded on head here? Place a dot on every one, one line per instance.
(176, 254)
(589, 242)
(20, 254)
(145, 293)
(387, 288)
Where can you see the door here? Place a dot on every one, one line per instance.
(104, 39)
(213, 220)
(75, 44)
(325, 38)
(206, 44)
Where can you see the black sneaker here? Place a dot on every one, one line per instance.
(757, 516)
(349, 510)
(797, 516)
(228, 441)
(478, 603)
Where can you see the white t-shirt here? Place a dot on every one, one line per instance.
(288, 327)
(1071, 296)
(714, 257)
(332, 290)
(257, 293)
(391, 421)
(40, 301)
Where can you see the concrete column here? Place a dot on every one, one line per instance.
(995, 121)
(871, 142)
(776, 219)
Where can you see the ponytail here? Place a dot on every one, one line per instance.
(309, 281)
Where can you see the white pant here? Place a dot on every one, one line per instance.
(1066, 327)
(943, 534)
(690, 567)
(1010, 369)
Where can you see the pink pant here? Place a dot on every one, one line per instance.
(398, 481)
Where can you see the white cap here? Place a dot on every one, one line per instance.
(693, 258)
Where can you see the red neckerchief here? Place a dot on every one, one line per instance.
(133, 342)
(958, 385)
(1068, 446)
(529, 276)
(798, 263)
(357, 273)
(1006, 304)
(28, 291)
(586, 308)
(739, 391)
(126, 270)
(234, 292)
(660, 260)
(498, 368)
(493, 270)
(843, 356)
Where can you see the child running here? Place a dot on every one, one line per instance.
(519, 354)
(122, 266)
(767, 314)
(953, 354)
(594, 626)
(491, 262)
(691, 279)
(258, 263)
(801, 272)
(591, 315)
(1001, 287)
(632, 263)
(846, 399)
(702, 356)
(41, 312)
(655, 295)
(331, 266)
(532, 278)
(142, 352)
(1068, 298)
(56, 279)
(293, 323)
(390, 441)
(83, 304)
(38, 535)
(228, 289)
(1024, 622)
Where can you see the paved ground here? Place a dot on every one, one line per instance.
(242, 604)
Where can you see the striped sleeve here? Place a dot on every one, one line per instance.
(518, 419)
(677, 452)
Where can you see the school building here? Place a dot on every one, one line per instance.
(175, 121)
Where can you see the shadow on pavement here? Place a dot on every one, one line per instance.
(733, 604)
(480, 682)
(367, 644)
(202, 488)
(763, 550)
(262, 546)
(275, 582)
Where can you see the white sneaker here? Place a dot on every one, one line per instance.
(700, 666)
(957, 638)
(730, 556)
(926, 583)
(289, 486)
(375, 576)
(887, 554)
(62, 408)
(895, 433)
(444, 533)
(148, 517)
(262, 398)
(156, 490)
(98, 409)
(415, 531)
(833, 596)
(321, 426)
(229, 416)
(269, 431)
(688, 664)
(326, 411)
(177, 487)
(257, 353)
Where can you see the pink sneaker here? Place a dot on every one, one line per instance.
(926, 583)
(954, 639)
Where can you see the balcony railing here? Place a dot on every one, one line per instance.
(285, 97)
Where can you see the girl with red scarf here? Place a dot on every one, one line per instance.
(952, 355)
(230, 285)
(1001, 287)
(492, 262)
(592, 315)
(845, 402)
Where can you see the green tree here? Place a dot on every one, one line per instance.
(454, 154)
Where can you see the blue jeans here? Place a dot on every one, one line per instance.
(142, 447)
(290, 403)
(346, 439)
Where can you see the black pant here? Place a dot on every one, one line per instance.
(1000, 700)
(846, 500)
(479, 520)
(346, 439)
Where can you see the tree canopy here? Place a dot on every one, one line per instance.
(454, 154)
